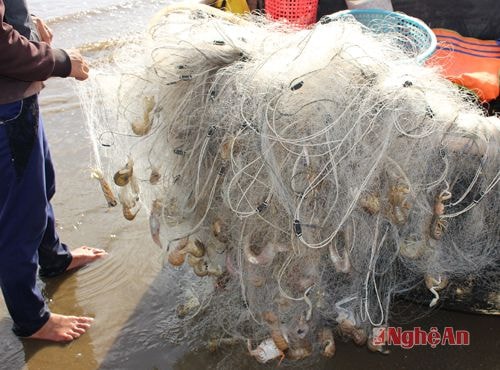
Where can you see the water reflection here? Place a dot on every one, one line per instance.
(143, 340)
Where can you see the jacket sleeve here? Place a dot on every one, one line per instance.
(26, 60)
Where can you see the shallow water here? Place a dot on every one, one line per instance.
(127, 292)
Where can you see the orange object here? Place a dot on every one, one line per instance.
(469, 62)
(300, 12)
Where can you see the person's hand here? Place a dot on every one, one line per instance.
(43, 30)
(79, 67)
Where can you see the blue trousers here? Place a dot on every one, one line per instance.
(28, 237)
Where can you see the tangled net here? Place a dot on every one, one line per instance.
(299, 180)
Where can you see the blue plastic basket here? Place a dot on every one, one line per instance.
(418, 39)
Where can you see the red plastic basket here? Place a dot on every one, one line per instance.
(301, 12)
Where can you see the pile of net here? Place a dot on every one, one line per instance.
(298, 179)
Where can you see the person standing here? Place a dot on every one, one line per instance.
(28, 238)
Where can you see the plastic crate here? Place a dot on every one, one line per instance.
(417, 38)
(300, 12)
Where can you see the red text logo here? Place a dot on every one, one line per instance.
(407, 339)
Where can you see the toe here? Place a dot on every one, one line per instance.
(84, 320)
(73, 334)
(83, 326)
(78, 329)
(66, 337)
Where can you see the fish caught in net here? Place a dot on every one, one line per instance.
(298, 180)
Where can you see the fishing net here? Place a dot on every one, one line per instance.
(298, 180)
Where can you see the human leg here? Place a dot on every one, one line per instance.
(22, 215)
(23, 220)
(54, 256)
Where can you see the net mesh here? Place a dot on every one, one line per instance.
(298, 180)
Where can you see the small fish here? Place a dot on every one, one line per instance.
(370, 203)
(143, 127)
(201, 268)
(438, 224)
(412, 249)
(122, 176)
(327, 342)
(127, 212)
(399, 205)
(227, 147)
(154, 221)
(155, 177)
(128, 203)
(220, 231)
(279, 339)
(434, 285)
(184, 309)
(348, 327)
(195, 248)
(106, 189)
(176, 257)
(265, 256)
(342, 264)
(277, 334)
(193, 261)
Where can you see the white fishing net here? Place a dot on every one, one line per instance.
(298, 180)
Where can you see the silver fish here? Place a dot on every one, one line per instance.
(154, 222)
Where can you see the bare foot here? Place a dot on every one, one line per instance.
(83, 255)
(60, 328)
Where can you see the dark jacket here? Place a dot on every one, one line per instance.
(24, 63)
